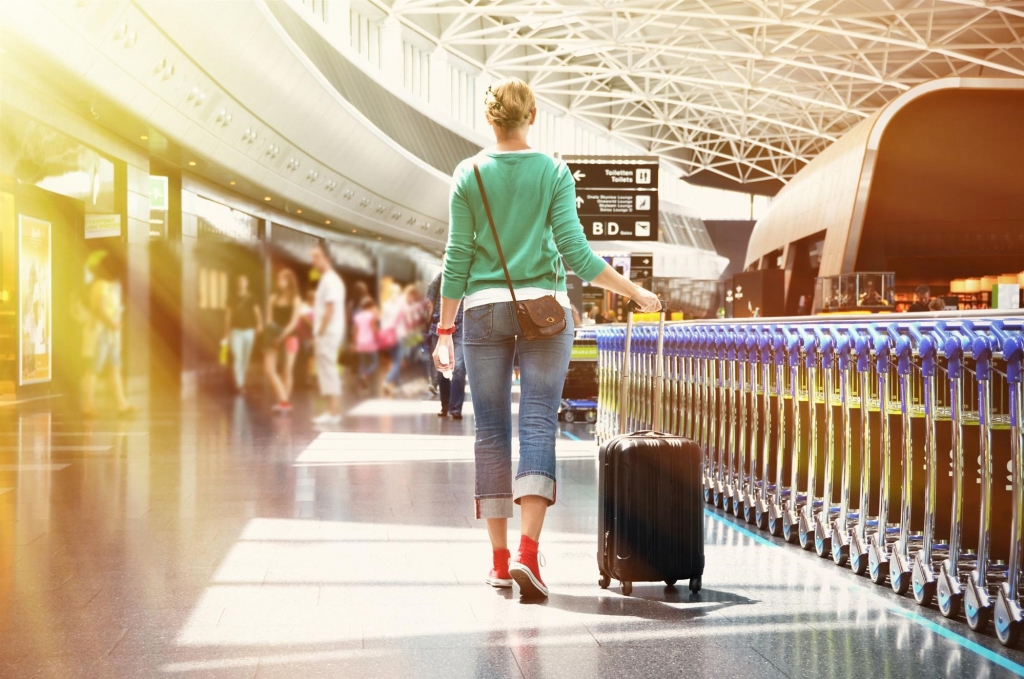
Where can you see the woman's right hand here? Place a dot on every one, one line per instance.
(645, 300)
(444, 354)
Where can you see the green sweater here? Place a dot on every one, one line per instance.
(533, 200)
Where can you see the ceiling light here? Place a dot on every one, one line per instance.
(298, 212)
(353, 230)
(266, 197)
(232, 183)
(192, 162)
(143, 137)
(327, 221)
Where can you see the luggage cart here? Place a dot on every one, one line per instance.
(866, 525)
(718, 425)
(753, 367)
(740, 431)
(978, 600)
(727, 435)
(900, 564)
(949, 590)
(764, 499)
(792, 507)
(1008, 617)
(582, 381)
(707, 399)
(778, 494)
(823, 518)
(842, 527)
(689, 383)
(923, 567)
(880, 541)
(806, 531)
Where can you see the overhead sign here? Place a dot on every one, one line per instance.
(102, 226)
(158, 193)
(616, 196)
(641, 266)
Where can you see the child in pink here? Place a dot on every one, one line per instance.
(365, 321)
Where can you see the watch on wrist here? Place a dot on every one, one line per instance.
(445, 331)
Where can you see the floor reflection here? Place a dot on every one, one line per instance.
(217, 540)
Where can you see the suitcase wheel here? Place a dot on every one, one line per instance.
(627, 588)
(604, 581)
(694, 585)
(671, 583)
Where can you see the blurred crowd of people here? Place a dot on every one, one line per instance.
(377, 342)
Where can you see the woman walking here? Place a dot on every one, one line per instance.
(532, 200)
(284, 310)
(392, 337)
(243, 322)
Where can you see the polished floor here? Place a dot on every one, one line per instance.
(215, 540)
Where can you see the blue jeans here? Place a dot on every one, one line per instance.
(242, 340)
(394, 375)
(367, 363)
(490, 345)
(452, 391)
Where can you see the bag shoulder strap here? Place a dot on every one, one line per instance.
(494, 231)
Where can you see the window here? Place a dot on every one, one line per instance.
(416, 77)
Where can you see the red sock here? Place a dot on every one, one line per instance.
(501, 557)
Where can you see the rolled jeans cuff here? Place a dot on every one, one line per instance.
(541, 485)
(494, 507)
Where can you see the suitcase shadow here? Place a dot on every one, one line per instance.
(649, 601)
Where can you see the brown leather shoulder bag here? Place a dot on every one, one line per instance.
(538, 318)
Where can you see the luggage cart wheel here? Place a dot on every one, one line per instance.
(790, 533)
(569, 416)
(671, 583)
(627, 588)
(924, 591)
(1007, 621)
(977, 618)
(900, 582)
(858, 562)
(694, 585)
(1009, 634)
(591, 416)
(823, 547)
(761, 520)
(604, 581)
(949, 601)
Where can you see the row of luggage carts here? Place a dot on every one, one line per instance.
(891, 447)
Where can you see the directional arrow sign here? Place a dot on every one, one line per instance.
(616, 197)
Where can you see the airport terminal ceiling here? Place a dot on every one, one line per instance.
(732, 91)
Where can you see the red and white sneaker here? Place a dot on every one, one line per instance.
(499, 577)
(526, 572)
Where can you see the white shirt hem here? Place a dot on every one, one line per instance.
(498, 295)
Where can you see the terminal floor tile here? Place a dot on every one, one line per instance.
(219, 541)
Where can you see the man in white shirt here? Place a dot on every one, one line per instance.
(328, 333)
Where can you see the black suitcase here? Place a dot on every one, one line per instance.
(651, 506)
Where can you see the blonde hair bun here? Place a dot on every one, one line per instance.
(508, 103)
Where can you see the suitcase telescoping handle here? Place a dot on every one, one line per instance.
(659, 371)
